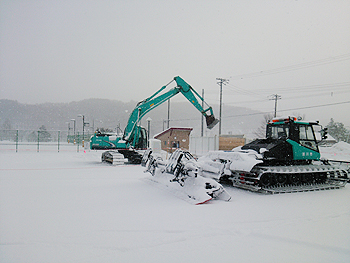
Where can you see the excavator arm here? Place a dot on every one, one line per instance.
(143, 107)
(191, 94)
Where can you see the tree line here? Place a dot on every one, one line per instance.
(338, 131)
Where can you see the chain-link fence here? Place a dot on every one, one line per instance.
(42, 140)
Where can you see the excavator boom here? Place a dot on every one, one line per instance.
(143, 107)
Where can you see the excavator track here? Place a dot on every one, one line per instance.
(122, 156)
(290, 179)
(113, 157)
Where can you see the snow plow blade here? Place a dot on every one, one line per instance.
(179, 175)
(192, 190)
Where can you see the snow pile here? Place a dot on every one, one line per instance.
(339, 152)
(341, 147)
(239, 160)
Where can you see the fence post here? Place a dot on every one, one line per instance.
(16, 140)
(78, 143)
(58, 142)
(38, 142)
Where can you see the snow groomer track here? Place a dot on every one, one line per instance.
(291, 179)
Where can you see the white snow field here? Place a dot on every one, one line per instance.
(69, 207)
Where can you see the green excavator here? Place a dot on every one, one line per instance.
(130, 146)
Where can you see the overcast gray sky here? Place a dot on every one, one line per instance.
(62, 51)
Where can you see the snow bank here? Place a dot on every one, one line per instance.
(341, 147)
(339, 152)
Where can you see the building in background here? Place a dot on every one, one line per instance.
(174, 138)
(228, 142)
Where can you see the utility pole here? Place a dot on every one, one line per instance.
(168, 122)
(220, 82)
(84, 124)
(202, 123)
(148, 129)
(73, 120)
(83, 129)
(275, 97)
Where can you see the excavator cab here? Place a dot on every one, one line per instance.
(142, 142)
(139, 138)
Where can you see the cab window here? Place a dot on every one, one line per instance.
(306, 137)
(277, 131)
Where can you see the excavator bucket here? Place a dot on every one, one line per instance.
(211, 121)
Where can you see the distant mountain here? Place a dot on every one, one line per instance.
(112, 113)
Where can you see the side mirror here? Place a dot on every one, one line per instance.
(324, 133)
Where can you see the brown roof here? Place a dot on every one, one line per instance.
(172, 129)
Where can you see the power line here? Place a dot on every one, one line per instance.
(315, 87)
(308, 88)
(318, 106)
(301, 108)
(316, 90)
(328, 93)
(247, 102)
(294, 67)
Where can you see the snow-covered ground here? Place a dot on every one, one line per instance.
(69, 207)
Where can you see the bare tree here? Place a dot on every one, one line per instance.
(261, 130)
